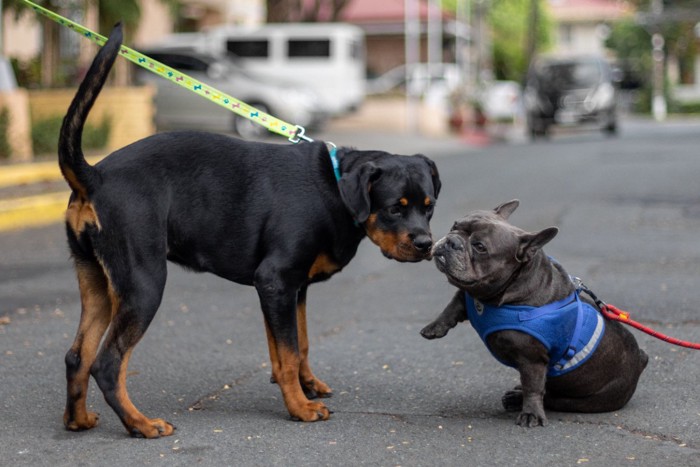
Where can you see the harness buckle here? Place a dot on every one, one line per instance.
(570, 352)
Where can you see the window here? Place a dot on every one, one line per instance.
(566, 34)
(258, 48)
(356, 50)
(303, 48)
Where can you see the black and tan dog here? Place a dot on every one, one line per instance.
(270, 216)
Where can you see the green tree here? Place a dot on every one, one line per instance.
(509, 22)
(632, 45)
(631, 42)
(510, 25)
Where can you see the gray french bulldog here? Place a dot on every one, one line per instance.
(527, 310)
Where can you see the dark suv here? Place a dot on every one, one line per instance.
(570, 91)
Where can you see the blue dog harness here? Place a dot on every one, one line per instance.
(570, 329)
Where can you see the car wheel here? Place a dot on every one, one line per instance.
(248, 129)
(537, 128)
(611, 127)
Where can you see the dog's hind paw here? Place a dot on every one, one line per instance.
(513, 400)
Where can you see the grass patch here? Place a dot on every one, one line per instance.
(45, 135)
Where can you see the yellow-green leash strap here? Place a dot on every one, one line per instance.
(294, 133)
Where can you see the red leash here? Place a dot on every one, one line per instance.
(615, 314)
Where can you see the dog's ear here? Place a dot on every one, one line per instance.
(530, 243)
(437, 184)
(506, 209)
(354, 189)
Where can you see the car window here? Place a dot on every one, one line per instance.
(308, 48)
(567, 75)
(249, 48)
(183, 63)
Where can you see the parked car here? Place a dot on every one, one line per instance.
(176, 107)
(570, 91)
(422, 79)
(328, 57)
(436, 85)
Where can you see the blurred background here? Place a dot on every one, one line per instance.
(487, 69)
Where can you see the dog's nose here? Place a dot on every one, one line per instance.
(454, 243)
(422, 242)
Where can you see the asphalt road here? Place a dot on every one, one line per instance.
(629, 213)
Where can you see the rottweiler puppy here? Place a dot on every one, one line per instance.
(267, 215)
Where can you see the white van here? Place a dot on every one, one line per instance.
(328, 57)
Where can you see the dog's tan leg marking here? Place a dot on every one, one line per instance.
(94, 319)
(306, 376)
(134, 420)
(286, 370)
(274, 359)
(297, 404)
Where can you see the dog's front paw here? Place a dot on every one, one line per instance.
(151, 428)
(434, 330)
(87, 421)
(309, 412)
(529, 419)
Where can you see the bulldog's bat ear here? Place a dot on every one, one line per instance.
(531, 243)
(506, 209)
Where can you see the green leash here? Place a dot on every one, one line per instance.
(294, 133)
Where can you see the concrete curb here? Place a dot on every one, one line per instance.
(32, 211)
(33, 172)
(38, 210)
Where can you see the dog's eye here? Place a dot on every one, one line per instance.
(395, 211)
(479, 247)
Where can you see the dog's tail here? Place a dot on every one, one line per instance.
(81, 176)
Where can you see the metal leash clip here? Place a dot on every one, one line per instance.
(299, 135)
(580, 286)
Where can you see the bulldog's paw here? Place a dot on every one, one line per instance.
(434, 330)
(513, 400)
(528, 419)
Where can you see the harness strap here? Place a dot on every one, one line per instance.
(572, 350)
(535, 313)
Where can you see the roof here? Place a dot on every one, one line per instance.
(589, 10)
(383, 11)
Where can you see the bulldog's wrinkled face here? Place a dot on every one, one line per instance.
(483, 251)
